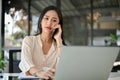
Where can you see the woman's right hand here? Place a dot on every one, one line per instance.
(45, 74)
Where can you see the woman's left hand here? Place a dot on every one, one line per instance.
(57, 36)
(58, 33)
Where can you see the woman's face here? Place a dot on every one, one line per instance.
(49, 21)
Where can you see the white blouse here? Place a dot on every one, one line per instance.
(32, 54)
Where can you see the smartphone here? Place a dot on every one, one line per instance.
(55, 32)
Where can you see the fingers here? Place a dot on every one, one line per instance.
(52, 70)
(57, 26)
(45, 75)
(48, 75)
(49, 72)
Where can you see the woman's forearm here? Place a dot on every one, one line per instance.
(33, 71)
(59, 42)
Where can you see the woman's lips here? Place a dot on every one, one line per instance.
(49, 28)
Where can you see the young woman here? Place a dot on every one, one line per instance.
(40, 53)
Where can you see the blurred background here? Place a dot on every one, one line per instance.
(85, 23)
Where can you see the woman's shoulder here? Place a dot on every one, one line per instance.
(30, 38)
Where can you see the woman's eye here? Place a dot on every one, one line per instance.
(54, 20)
(46, 18)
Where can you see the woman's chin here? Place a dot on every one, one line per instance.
(47, 31)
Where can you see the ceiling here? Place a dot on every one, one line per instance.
(72, 7)
(78, 7)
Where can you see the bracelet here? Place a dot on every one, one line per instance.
(59, 46)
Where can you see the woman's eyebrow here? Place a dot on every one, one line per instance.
(55, 18)
(46, 16)
(52, 17)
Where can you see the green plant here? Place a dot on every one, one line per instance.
(113, 36)
(2, 62)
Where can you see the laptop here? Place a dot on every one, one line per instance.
(85, 63)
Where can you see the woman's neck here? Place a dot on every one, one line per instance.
(46, 37)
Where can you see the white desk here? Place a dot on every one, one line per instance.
(7, 75)
(114, 76)
(14, 75)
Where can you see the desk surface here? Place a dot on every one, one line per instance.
(9, 74)
(113, 75)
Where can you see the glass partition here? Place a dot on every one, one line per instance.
(91, 22)
(106, 17)
(75, 23)
(16, 22)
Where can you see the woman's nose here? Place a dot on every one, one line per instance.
(49, 22)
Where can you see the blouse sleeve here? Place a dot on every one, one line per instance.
(26, 54)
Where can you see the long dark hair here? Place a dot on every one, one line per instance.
(39, 30)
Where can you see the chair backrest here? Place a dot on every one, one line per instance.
(13, 64)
